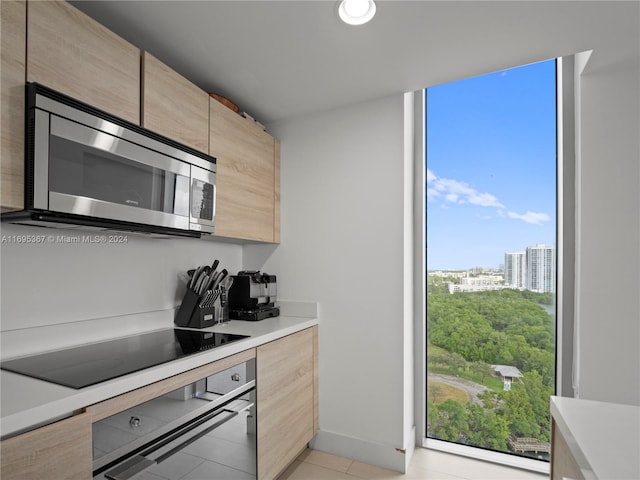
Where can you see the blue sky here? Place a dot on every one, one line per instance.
(491, 166)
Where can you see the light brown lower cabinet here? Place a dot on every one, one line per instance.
(286, 389)
(563, 465)
(61, 450)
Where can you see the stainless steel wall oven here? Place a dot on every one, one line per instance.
(206, 430)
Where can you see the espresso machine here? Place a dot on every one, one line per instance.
(252, 296)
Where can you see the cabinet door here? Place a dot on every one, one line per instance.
(173, 106)
(285, 401)
(276, 193)
(563, 464)
(62, 450)
(245, 178)
(70, 52)
(13, 21)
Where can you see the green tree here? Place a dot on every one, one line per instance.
(517, 411)
(455, 361)
(452, 422)
(435, 392)
(481, 368)
(538, 394)
(487, 429)
(500, 327)
(433, 414)
(489, 399)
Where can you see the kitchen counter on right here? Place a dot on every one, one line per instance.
(594, 440)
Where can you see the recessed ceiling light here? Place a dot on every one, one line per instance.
(356, 12)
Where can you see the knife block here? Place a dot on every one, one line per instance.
(192, 315)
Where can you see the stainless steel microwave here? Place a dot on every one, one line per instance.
(86, 167)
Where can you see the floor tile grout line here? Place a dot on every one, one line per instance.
(330, 468)
(349, 467)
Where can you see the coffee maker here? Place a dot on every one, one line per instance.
(252, 296)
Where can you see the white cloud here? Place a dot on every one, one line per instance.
(451, 191)
(484, 200)
(458, 192)
(432, 194)
(432, 190)
(530, 217)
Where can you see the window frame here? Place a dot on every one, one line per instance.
(565, 266)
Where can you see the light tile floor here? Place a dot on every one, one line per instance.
(425, 465)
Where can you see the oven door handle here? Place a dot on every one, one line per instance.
(168, 447)
(162, 453)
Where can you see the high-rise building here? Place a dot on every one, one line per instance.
(515, 270)
(541, 268)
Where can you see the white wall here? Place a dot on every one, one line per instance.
(343, 190)
(122, 287)
(343, 232)
(608, 231)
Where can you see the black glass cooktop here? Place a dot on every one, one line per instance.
(79, 367)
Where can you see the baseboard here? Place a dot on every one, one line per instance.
(380, 455)
(409, 448)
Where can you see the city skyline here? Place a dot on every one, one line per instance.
(491, 167)
(533, 269)
(499, 267)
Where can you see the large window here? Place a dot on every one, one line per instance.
(491, 234)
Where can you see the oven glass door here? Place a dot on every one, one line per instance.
(96, 173)
(203, 430)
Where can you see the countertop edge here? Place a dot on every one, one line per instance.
(603, 437)
(569, 437)
(48, 402)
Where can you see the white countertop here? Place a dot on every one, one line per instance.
(604, 438)
(26, 402)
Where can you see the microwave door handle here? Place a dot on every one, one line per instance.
(168, 447)
(207, 177)
(215, 196)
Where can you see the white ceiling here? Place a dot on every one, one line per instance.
(282, 59)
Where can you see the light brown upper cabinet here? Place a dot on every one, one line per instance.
(70, 52)
(247, 179)
(173, 106)
(276, 193)
(12, 75)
